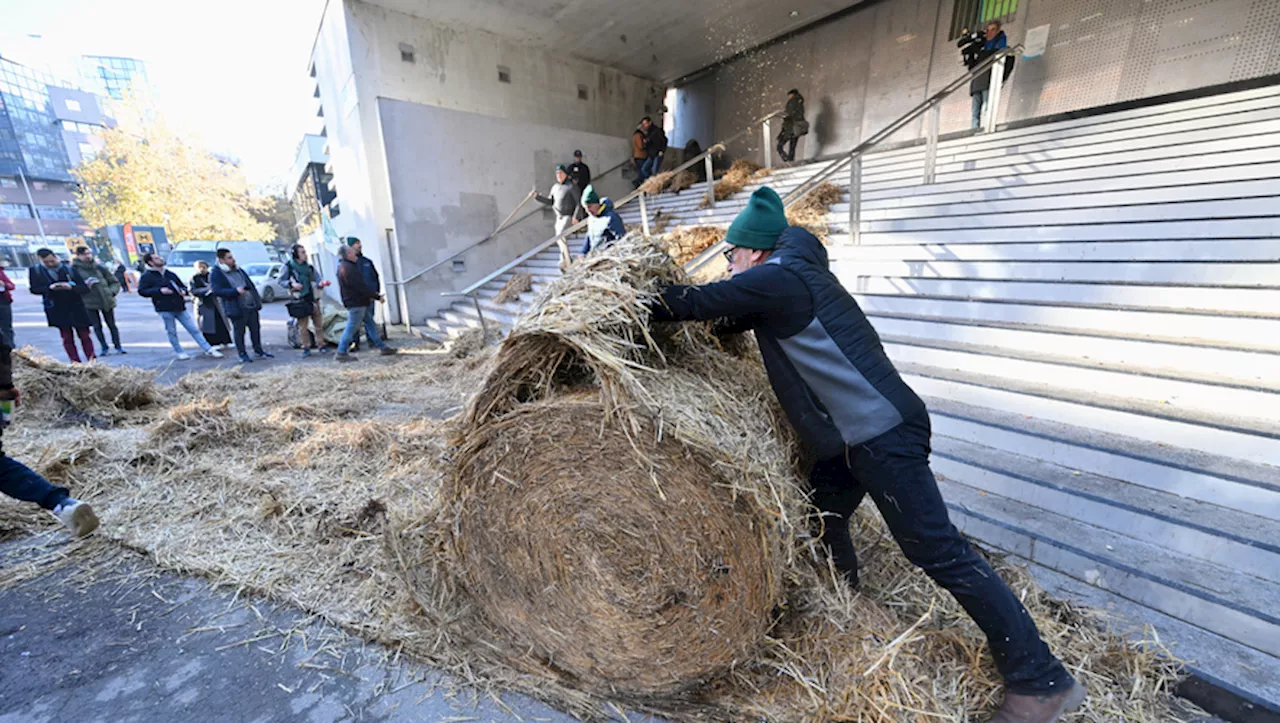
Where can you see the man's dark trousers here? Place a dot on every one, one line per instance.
(248, 318)
(894, 469)
(22, 483)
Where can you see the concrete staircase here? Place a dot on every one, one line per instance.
(1092, 310)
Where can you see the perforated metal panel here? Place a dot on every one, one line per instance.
(1260, 47)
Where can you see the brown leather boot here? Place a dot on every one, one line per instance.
(1039, 708)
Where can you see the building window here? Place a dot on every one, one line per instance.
(504, 74)
(39, 185)
(406, 52)
(15, 210)
(60, 212)
(972, 14)
(72, 105)
(8, 183)
(583, 93)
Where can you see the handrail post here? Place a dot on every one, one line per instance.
(993, 94)
(711, 181)
(855, 199)
(484, 330)
(644, 213)
(931, 144)
(766, 130)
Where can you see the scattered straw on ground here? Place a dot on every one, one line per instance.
(741, 174)
(520, 283)
(668, 182)
(688, 242)
(653, 465)
(811, 211)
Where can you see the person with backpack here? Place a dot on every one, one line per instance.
(101, 299)
(304, 280)
(63, 289)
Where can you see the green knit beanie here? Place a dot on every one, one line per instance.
(589, 195)
(760, 223)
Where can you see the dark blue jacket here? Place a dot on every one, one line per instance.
(824, 359)
(604, 229)
(233, 303)
(152, 281)
(63, 308)
(370, 274)
(990, 48)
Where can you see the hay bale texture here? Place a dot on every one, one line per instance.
(621, 504)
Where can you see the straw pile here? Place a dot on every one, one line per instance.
(688, 242)
(80, 392)
(742, 173)
(811, 211)
(668, 182)
(337, 491)
(520, 283)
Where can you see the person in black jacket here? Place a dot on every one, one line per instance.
(169, 298)
(655, 147)
(213, 323)
(23, 483)
(358, 296)
(867, 429)
(793, 126)
(980, 86)
(240, 302)
(580, 172)
(63, 289)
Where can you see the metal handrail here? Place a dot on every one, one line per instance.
(501, 227)
(855, 155)
(617, 205)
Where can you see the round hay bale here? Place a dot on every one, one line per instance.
(626, 574)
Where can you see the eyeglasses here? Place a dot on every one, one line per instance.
(728, 253)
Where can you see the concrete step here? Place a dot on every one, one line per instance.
(1240, 300)
(1199, 530)
(1148, 116)
(1026, 255)
(1215, 329)
(1215, 433)
(1197, 272)
(1212, 477)
(1172, 355)
(1218, 599)
(1249, 678)
(1166, 230)
(1195, 395)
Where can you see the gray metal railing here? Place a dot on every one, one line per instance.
(704, 157)
(853, 159)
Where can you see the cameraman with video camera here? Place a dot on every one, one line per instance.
(976, 47)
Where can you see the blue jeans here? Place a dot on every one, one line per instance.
(170, 327)
(979, 99)
(22, 483)
(894, 469)
(651, 167)
(357, 317)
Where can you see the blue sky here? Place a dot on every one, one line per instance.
(232, 74)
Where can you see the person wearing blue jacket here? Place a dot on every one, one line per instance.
(240, 303)
(604, 225)
(868, 430)
(980, 86)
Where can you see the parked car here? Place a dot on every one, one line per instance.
(267, 278)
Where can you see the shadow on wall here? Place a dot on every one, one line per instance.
(824, 127)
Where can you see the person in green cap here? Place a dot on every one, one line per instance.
(562, 198)
(604, 225)
(868, 430)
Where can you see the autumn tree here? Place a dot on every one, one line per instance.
(148, 175)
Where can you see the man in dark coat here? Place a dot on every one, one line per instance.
(63, 289)
(240, 302)
(580, 172)
(359, 286)
(23, 483)
(655, 147)
(169, 298)
(793, 126)
(867, 429)
(980, 86)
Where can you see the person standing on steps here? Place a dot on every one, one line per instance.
(169, 298)
(638, 154)
(240, 302)
(100, 302)
(980, 87)
(604, 225)
(563, 198)
(655, 148)
(358, 295)
(63, 289)
(868, 430)
(305, 281)
(23, 483)
(213, 323)
(793, 126)
(580, 172)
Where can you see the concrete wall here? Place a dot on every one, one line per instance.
(445, 201)
(865, 69)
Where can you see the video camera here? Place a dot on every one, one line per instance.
(971, 43)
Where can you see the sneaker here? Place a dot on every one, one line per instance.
(76, 516)
(183, 356)
(245, 358)
(388, 351)
(325, 349)
(214, 353)
(1039, 708)
(121, 351)
(105, 352)
(264, 355)
(306, 353)
(344, 358)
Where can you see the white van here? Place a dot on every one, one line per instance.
(182, 259)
